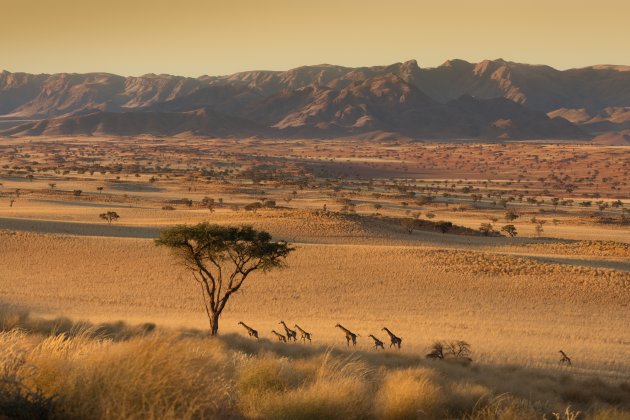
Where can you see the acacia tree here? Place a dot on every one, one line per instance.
(221, 258)
(511, 215)
(110, 216)
(510, 230)
(486, 229)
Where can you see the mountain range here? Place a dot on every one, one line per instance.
(492, 100)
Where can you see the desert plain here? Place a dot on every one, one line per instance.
(365, 218)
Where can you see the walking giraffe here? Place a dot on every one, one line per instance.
(377, 343)
(350, 336)
(396, 341)
(304, 335)
(252, 332)
(565, 359)
(280, 336)
(291, 334)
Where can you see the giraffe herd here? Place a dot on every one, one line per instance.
(291, 335)
(351, 337)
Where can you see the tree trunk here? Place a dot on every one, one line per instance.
(214, 323)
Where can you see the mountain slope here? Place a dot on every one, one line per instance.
(504, 119)
(383, 104)
(41, 96)
(202, 122)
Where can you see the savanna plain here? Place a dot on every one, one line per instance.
(509, 251)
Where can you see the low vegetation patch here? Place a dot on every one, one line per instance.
(611, 249)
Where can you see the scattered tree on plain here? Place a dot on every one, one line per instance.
(486, 228)
(110, 216)
(253, 207)
(539, 225)
(511, 215)
(221, 258)
(510, 230)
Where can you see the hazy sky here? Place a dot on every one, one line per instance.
(195, 37)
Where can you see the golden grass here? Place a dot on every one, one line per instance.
(184, 375)
(410, 393)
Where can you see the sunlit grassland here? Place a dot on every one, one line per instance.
(117, 371)
(511, 309)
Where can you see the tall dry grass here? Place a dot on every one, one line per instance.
(132, 373)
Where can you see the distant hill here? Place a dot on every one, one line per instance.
(607, 120)
(490, 99)
(621, 138)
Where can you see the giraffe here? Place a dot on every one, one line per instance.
(280, 336)
(349, 335)
(565, 359)
(377, 343)
(304, 335)
(252, 332)
(291, 334)
(396, 341)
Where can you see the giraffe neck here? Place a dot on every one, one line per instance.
(391, 334)
(347, 331)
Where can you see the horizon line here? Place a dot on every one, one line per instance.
(603, 65)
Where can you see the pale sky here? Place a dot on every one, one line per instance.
(195, 37)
